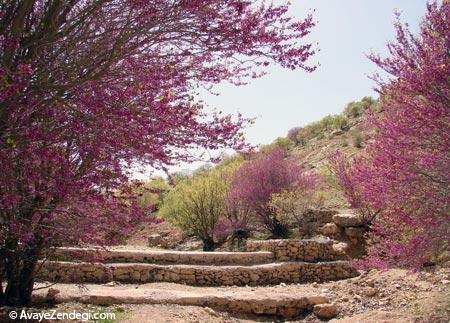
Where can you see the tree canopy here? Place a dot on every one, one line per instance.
(91, 88)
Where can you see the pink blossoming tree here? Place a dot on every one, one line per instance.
(402, 184)
(91, 88)
(254, 183)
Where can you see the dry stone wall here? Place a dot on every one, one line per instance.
(266, 274)
(163, 256)
(294, 249)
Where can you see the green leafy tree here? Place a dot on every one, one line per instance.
(198, 202)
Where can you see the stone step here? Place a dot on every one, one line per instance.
(242, 302)
(198, 275)
(163, 256)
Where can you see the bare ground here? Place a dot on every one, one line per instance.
(392, 296)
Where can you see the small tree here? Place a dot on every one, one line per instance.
(295, 206)
(196, 204)
(404, 178)
(254, 183)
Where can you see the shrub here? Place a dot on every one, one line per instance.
(151, 194)
(293, 133)
(353, 110)
(404, 178)
(339, 122)
(196, 204)
(302, 138)
(356, 109)
(282, 143)
(292, 207)
(357, 138)
(256, 180)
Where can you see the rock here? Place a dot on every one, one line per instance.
(289, 312)
(371, 282)
(353, 232)
(445, 281)
(325, 311)
(154, 240)
(330, 229)
(340, 247)
(370, 291)
(347, 220)
(210, 311)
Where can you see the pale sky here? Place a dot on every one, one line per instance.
(346, 30)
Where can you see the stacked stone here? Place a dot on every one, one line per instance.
(295, 250)
(352, 225)
(267, 274)
(164, 256)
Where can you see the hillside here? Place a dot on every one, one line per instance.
(314, 144)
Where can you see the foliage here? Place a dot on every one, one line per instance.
(254, 183)
(151, 194)
(283, 143)
(301, 136)
(293, 133)
(293, 206)
(357, 138)
(197, 202)
(357, 109)
(404, 179)
(90, 89)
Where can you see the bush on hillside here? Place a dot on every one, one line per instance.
(254, 183)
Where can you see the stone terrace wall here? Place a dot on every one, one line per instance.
(267, 274)
(163, 256)
(294, 249)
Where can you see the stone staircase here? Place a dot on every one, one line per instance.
(265, 263)
(238, 300)
(121, 276)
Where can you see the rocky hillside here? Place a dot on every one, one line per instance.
(314, 144)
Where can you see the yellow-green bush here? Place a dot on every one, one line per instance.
(197, 202)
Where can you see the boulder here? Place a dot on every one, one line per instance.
(330, 229)
(347, 220)
(340, 247)
(154, 240)
(370, 291)
(325, 311)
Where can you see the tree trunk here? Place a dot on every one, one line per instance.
(20, 270)
(208, 244)
(278, 229)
